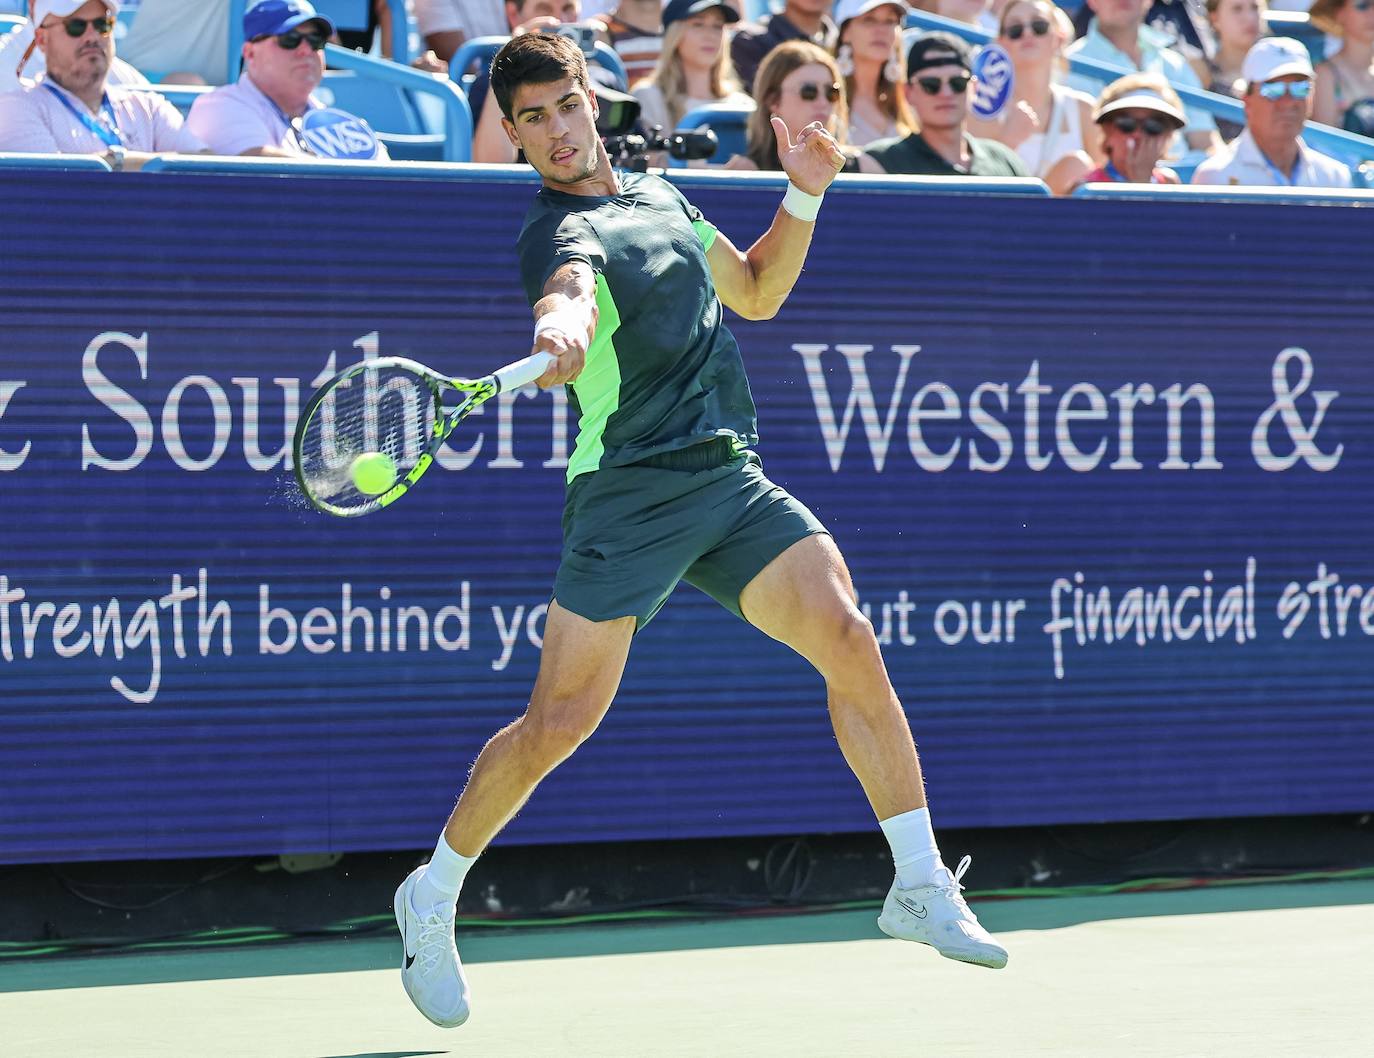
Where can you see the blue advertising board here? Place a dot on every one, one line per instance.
(1101, 470)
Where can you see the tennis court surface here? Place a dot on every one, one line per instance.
(1253, 971)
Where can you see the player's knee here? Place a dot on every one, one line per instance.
(552, 734)
(854, 635)
(850, 641)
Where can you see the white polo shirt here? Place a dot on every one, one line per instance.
(239, 117)
(44, 118)
(1242, 164)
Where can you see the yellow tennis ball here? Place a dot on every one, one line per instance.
(373, 473)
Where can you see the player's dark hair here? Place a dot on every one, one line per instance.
(535, 58)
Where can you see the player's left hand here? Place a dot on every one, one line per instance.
(812, 159)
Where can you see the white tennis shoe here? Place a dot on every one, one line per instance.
(430, 970)
(937, 915)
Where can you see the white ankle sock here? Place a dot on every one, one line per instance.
(914, 852)
(443, 877)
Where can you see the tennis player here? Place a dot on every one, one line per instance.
(627, 280)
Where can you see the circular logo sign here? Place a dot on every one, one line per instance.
(334, 133)
(996, 79)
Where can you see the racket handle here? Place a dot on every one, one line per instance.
(515, 375)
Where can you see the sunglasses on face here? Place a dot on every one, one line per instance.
(76, 27)
(291, 40)
(1038, 26)
(931, 85)
(1279, 89)
(1150, 126)
(810, 91)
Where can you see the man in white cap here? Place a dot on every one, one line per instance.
(1278, 100)
(71, 108)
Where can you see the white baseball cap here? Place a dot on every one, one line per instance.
(65, 8)
(847, 9)
(1273, 57)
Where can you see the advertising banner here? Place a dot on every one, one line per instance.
(1101, 472)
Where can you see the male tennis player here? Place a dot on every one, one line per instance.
(627, 281)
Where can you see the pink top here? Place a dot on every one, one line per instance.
(1107, 174)
(43, 118)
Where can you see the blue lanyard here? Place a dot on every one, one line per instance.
(297, 132)
(108, 133)
(1284, 181)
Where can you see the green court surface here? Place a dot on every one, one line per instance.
(1255, 971)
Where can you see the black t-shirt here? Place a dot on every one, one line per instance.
(663, 372)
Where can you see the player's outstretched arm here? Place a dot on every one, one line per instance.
(755, 283)
(565, 321)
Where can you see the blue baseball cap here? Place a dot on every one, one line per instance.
(677, 10)
(270, 17)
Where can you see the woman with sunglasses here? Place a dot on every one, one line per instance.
(1138, 115)
(1346, 78)
(869, 56)
(694, 68)
(799, 82)
(1046, 123)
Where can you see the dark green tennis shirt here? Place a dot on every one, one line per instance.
(663, 372)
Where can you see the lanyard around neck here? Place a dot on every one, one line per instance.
(293, 125)
(107, 130)
(1283, 179)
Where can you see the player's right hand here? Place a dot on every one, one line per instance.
(567, 337)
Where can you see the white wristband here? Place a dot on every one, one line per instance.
(568, 320)
(801, 205)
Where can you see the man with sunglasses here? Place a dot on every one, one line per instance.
(1278, 99)
(72, 109)
(939, 73)
(271, 110)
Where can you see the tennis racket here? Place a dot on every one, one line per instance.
(369, 433)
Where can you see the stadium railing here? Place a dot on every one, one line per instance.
(211, 165)
(878, 185)
(1345, 146)
(10, 160)
(523, 174)
(418, 139)
(1226, 193)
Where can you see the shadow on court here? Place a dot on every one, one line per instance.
(487, 945)
(385, 1054)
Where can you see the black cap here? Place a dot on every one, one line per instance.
(677, 10)
(937, 48)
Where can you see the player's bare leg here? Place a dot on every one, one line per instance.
(579, 672)
(805, 598)
(578, 676)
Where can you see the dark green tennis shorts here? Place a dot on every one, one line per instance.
(631, 533)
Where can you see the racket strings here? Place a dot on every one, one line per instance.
(389, 410)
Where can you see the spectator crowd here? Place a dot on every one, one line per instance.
(902, 101)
